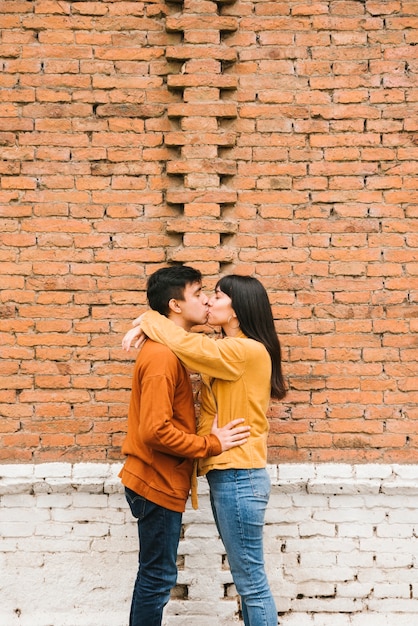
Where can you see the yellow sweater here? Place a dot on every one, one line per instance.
(236, 373)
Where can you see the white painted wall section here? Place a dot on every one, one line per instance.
(341, 548)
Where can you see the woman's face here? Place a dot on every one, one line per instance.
(220, 309)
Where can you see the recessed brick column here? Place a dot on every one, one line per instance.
(201, 128)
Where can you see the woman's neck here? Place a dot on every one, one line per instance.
(231, 332)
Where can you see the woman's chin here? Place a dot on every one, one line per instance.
(213, 323)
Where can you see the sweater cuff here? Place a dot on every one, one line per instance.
(215, 445)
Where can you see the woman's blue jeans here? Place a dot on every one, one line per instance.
(159, 535)
(239, 499)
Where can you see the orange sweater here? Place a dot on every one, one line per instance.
(161, 442)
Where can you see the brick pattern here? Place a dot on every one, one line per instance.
(265, 137)
(200, 137)
(340, 548)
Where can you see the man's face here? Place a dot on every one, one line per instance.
(194, 306)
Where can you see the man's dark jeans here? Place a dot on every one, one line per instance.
(159, 534)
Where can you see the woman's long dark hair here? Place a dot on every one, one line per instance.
(252, 307)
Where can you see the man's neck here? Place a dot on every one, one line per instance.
(178, 320)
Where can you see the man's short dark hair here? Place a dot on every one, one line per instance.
(170, 282)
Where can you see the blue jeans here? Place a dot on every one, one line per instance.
(239, 499)
(159, 535)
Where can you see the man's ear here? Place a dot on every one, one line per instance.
(174, 306)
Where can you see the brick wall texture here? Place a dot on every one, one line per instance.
(340, 548)
(275, 138)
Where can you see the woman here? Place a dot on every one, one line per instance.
(240, 372)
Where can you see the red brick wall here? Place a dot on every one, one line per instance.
(277, 138)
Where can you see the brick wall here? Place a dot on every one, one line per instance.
(340, 548)
(276, 138)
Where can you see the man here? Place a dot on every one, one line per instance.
(161, 443)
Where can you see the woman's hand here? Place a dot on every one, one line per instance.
(134, 335)
(231, 435)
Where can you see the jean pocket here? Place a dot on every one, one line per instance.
(260, 483)
(136, 503)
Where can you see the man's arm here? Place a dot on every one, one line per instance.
(159, 431)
